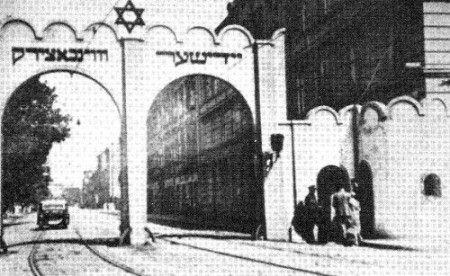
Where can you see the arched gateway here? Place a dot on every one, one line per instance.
(134, 62)
(200, 155)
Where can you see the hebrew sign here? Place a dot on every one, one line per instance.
(197, 57)
(58, 54)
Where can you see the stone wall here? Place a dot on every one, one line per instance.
(404, 142)
(324, 138)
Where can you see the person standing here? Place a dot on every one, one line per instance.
(354, 225)
(341, 214)
(3, 246)
(298, 221)
(312, 210)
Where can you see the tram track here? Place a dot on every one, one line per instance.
(36, 271)
(33, 261)
(245, 258)
(300, 252)
(106, 259)
(198, 248)
(294, 251)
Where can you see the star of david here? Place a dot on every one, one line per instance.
(129, 25)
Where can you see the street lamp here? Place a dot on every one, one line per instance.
(276, 143)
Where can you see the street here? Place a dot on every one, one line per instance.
(89, 247)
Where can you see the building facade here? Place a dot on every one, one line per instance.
(200, 155)
(72, 195)
(101, 186)
(341, 52)
(261, 17)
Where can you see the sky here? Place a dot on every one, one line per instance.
(90, 105)
(99, 126)
(187, 13)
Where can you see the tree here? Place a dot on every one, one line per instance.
(30, 127)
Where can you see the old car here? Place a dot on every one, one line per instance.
(53, 212)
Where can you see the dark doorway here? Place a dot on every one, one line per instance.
(329, 180)
(364, 194)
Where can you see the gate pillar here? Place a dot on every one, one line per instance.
(136, 144)
(137, 177)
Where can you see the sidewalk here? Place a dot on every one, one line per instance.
(178, 251)
(418, 243)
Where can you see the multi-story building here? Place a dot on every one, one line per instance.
(72, 195)
(102, 185)
(341, 52)
(261, 17)
(87, 200)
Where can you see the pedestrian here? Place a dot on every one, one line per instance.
(298, 221)
(312, 210)
(341, 214)
(354, 226)
(3, 246)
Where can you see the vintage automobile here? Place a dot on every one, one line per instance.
(53, 212)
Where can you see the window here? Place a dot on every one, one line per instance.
(432, 185)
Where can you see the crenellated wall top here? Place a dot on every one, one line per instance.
(128, 18)
(383, 111)
(234, 35)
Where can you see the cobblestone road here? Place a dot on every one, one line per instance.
(188, 252)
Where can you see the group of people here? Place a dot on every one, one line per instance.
(340, 223)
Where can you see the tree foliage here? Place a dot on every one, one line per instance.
(30, 126)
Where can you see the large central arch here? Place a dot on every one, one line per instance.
(201, 155)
